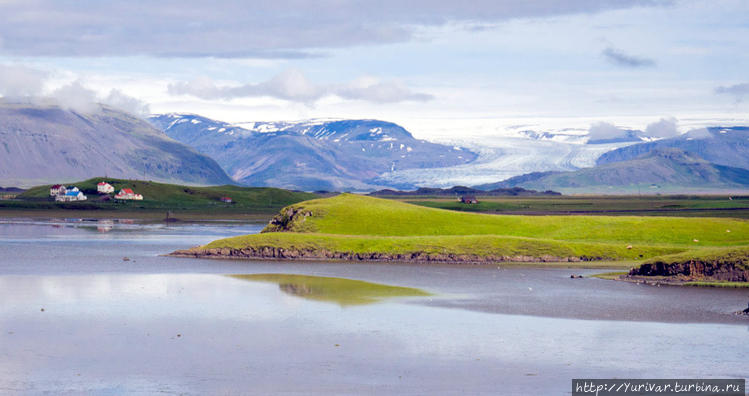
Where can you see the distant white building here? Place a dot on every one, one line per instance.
(127, 193)
(70, 196)
(56, 190)
(104, 188)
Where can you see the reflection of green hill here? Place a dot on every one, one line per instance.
(336, 290)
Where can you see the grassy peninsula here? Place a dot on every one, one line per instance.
(353, 227)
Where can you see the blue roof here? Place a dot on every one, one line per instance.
(72, 193)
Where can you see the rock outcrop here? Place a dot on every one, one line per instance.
(277, 253)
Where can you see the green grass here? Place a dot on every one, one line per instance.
(364, 225)
(468, 245)
(610, 275)
(647, 205)
(336, 290)
(350, 214)
(161, 196)
(738, 256)
(717, 284)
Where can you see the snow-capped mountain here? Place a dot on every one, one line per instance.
(312, 154)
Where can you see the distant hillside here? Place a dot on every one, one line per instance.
(722, 146)
(311, 155)
(172, 196)
(46, 144)
(665, 170)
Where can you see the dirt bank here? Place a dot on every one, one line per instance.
(269, 252)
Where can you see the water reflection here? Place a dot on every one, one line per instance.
(340, 291)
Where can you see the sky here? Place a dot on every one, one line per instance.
(440, 68)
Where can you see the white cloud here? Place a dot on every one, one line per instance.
(27, 84)
(76, 97)
(19, 82)
(664, 128)
(292, 85)
(119, 100)
(604, 130)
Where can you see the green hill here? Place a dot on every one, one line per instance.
(357, 227)
(161, 196)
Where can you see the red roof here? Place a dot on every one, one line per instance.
(101, 183)
(57, 186)
(127, 191)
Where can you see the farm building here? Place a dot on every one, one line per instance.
(226, 199)
(70, 196)
(104, 188)
(56, 190)
(127, 193)
(469, 199)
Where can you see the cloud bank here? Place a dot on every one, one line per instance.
(19, 83)
(619, 58)
(292, 85)
(229, 28)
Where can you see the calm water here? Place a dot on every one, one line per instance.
(76, 318)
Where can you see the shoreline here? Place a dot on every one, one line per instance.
(415, 258)
(151, 215)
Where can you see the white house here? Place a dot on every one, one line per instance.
(127, 193)
(70, 196)
(104, 188)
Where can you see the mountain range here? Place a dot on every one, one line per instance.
(42, 144)
(728, 146)
(667, 170)
(310, 155)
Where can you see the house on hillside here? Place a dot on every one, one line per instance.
(127, 193)
(57, 189)
(226, 199)
(469, 199)
(104, 188)
(70, 196)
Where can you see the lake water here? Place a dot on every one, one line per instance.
(93, 308)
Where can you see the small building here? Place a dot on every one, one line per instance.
(70, 196)
(71, 188)
(226, 199)
(127, 193)
(104, 188)
(57, 189)
(469, 199)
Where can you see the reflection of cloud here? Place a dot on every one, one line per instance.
(228, 28)
(293, 85)
(619, 58)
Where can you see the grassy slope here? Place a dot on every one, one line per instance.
(173, 197)
(350, 214)
(358, 224)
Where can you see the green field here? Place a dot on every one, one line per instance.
(632, 205)
(160, 197)
(360, 224)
